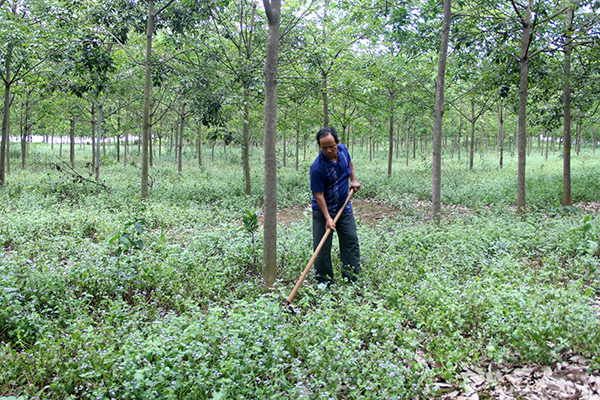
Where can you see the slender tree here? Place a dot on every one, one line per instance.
(269, 271)
(566, 200)
(147, 98)
(21, 32)
(439, 113)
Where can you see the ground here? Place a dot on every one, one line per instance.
(569, 379)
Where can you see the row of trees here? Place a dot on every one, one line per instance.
(156, 67)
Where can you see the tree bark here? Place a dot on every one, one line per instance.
(99, 139)
(298, 143)
(200, 143)
(150, 141)
(501, 133)
(180, 148)
(246, 149)
(72, 140)
(566, 200)
(523, 82)
(391, 136)
(25, 130)
(472, 148)
(269, 270)
(93, 135)
(126, 143)
(5, 117)
(147, 91)
(439, 114)
(407, 142)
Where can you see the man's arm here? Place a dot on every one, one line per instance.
(320, 198)
(353, 181)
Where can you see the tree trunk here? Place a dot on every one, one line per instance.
(297, 143)
(246, 149)
(93, 135)
(523, 82)
(72, 140)
(25, 131)
(459, 137)
(200, 143)
(99, 139)
(269, 270)
(150, 142)
(501, 132)
(147, 91)
(391, 137)
(414, 148)
(126, 143)
(180, 148)
(439, 114)
(4, 154)
(566, 200)
(472, 148)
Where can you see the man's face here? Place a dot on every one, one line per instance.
(328, 146)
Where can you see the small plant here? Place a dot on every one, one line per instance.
(250, 221)
(131, 237)
(250, 226)
(590, 242)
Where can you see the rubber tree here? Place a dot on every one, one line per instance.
(473, 80)
(520, 30)
(32, 100)
(269, 269)
(580, 27)
(324, 38)
(238, 26)
(178, 17)
(439, 113)
(23, 51)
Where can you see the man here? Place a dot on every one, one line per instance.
(329, 176)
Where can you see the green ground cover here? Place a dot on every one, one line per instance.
(103, 295)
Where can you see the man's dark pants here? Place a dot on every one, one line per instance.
(349, 248)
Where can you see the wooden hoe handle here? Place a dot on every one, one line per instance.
(314, 256)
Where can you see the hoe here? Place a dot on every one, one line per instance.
(314, 256)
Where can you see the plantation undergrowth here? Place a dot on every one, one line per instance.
(104, 295)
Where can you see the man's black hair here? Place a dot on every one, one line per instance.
(326, 132)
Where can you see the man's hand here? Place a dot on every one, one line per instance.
(329, 225)
(353, 181)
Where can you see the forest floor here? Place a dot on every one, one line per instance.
(572, 378)
(370, 212)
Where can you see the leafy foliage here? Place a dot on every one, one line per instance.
(172, 304)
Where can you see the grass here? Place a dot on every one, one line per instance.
(104, 295)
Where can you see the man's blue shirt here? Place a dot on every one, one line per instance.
(331, 178)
